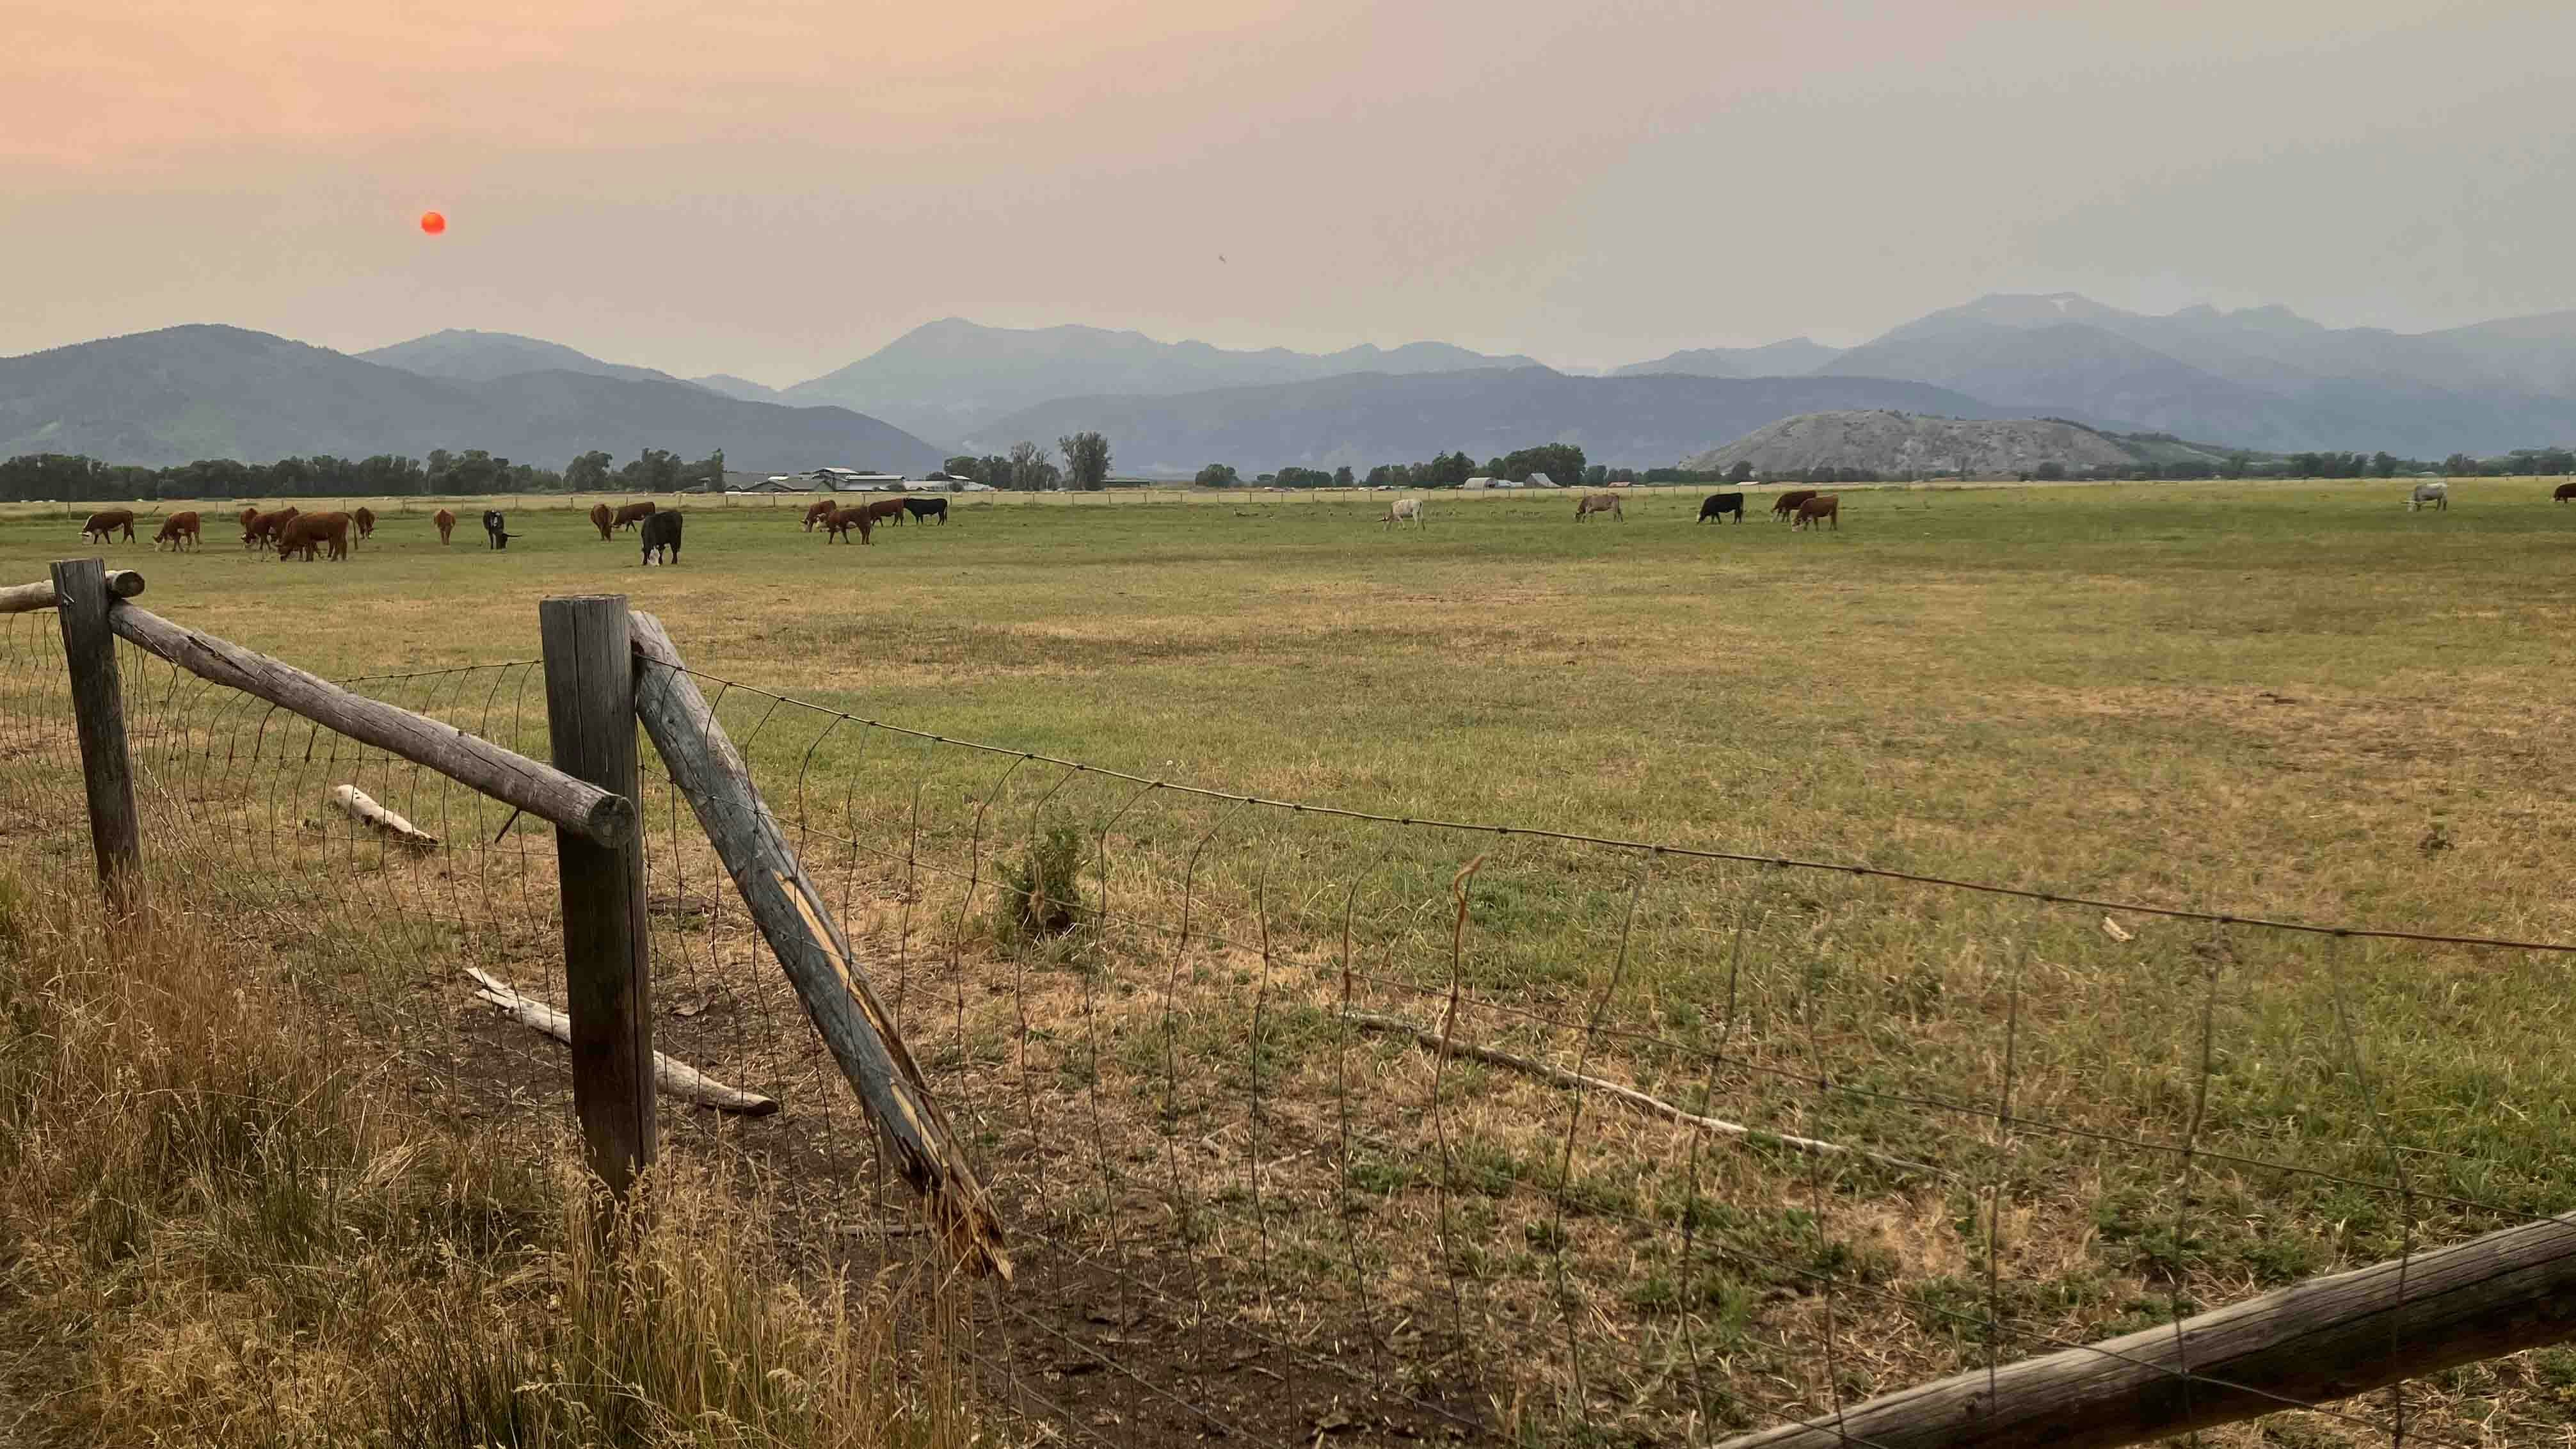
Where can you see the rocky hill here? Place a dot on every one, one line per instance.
(1897, 445)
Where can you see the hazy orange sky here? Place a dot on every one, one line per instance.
(774, 189)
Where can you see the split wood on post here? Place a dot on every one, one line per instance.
(2311, 1343)
(27, 598)
(813, 952)
(675, 1079)
(505, 775)
(98, 717)
(608, 967)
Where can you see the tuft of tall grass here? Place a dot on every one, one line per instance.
(219, 1224)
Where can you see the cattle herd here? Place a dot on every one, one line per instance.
(291, 534)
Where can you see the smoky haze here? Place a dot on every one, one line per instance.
(668, 185)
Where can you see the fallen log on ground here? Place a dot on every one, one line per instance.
(675, 1079)
(1371, 1021)
(362, 805)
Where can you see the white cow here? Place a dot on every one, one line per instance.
(2436, 494)
(1404, 510)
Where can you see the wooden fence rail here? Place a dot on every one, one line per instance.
(813, 952)
(2311, 1343)
(600, 816)
(27, 598)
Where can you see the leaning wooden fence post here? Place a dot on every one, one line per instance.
(98, 710)
(812, 951)
(590, 719)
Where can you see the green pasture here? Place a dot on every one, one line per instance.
(2292, 700)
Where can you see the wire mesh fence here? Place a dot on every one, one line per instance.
(1315, 1124)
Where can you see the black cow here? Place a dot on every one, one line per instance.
(927, 508)
(1717, 505)
(662, 531)
(493, 533)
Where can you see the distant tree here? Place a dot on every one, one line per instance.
(2383, 465)
(1561, 462)
(2051, 471)
(1219, 475)
(708, 473)
(1342, 477)
(588, 473)
(1086, 460)
(1742, 472)
(655, 471)
(1026, 460)
(2461, 465)
(962, 466)
(1596, 475)
(1301, 478)
(993, 469)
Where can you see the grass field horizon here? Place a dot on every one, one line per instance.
(2293, 700)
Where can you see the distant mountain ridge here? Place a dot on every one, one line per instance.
(1794, 357)
(463, 355)
(1364, 419)
(953, 378)
(207, 391)
(2261, 377)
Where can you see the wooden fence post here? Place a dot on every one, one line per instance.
(98, 709)
(590, 719)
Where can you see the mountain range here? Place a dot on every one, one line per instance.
(166, 397)
(954, 378)
(2261, 378)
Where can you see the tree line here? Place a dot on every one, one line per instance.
(77, 478)
(1027, 469)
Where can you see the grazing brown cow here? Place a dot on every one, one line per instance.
(886, 510)
(602, 519)
(178, 530)
(2564, 492)
(108, 521)
(1823, 505)
(1786, 505)
(246, 515)
(307, 532)
(842, 520)
(1591, 503)
(366, 521)
(446, 522)
(820, 511)
(633, 514)
(262, 530)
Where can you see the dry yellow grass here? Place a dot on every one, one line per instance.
(2285, 700)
